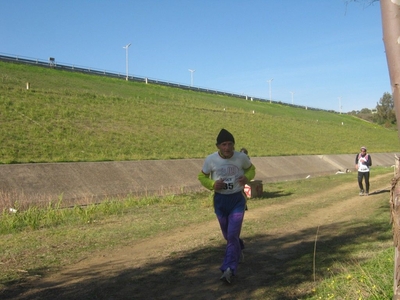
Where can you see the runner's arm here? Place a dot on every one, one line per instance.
(250, 173)
(206, 181)
(357, 162)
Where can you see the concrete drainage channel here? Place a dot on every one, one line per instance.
(90, 182)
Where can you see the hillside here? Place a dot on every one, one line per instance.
(67, 116)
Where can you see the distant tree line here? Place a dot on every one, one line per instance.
(383, 114)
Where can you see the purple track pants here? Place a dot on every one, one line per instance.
(230, 213)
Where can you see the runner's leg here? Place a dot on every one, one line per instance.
(233, 247)
(366, 175)
(360, 178)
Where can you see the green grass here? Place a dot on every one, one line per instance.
(68, 116)
(359, 280)
(36, 218)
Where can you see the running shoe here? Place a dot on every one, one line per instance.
(227, 275)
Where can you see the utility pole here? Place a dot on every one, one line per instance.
(270, 97)
(191, 76)
(127, 68)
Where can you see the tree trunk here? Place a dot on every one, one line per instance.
(395, 219)
(390, 10)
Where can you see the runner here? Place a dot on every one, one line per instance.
(363, 163)
(226, 172)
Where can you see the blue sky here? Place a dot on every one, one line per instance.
(323, 52)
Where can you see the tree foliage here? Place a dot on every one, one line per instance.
(385, 113)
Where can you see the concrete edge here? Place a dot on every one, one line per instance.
(88, 182)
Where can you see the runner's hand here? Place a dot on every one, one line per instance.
(243, 180)
(219, 184)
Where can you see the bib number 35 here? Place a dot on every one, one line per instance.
(229, 183)
(228, 186)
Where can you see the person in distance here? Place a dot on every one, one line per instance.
(363, 164)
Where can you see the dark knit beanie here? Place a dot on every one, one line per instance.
(225, 136)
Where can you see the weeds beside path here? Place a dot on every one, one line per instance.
(279, 256)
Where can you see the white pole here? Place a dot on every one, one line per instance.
(340, 105)
(127, 68)
(292, 96)
(191, 76)
(270, 97)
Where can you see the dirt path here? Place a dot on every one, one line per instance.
(184, 264)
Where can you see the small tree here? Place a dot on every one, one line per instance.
(365, 111)
(385, 113)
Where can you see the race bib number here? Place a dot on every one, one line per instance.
(229, 183)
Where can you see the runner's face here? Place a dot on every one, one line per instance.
(226, 148)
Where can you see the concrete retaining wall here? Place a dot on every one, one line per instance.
(82, 183)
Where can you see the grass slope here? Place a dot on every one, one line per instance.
(68, 116)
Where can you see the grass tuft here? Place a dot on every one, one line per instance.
(359, 279)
